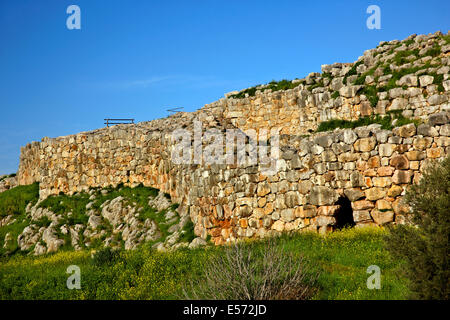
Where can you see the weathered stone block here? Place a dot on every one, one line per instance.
(382, 217)
(357, 180)
(375, 193)
(321, 195)
(287, 215)
(427, 130)
(394, 191)
(399, 162)
(361, 215)
(425, 80)
(381, 181)
(325, 221)
(362, 205)
(408, 130)
(327, 210)
(386, 149)
(307, 211)
(402, 176)
(353, 194)
(365, 144)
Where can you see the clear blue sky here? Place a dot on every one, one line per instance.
(135, 59)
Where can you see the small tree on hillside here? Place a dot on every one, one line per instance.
(425, 246)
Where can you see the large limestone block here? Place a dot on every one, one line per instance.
(321, 196)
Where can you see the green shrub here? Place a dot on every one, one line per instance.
(434, 51)
(352, 71)
(396, 75)
(371, 93)
(400, 56)
(387, 69)
(249, 272)
(408, 42)
(438, 80)
(335, 95)
(316, 85)
(187, 233)
(105, 256)
(425, 248)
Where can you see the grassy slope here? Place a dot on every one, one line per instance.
(342, 258)
(13, 202)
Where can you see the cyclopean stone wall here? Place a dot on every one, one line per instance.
(422, 89)
(322, 180)
(364, 171)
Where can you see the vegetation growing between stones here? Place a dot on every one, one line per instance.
(387, 122)
(352, 71)
(399, 60)
(273, 85)
(425, 248)
(341, 259)
(335, 95)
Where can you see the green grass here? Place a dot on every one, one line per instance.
(408, 42)
(342, 259)
(385, 121)
(13, 202)
(400, 56)
(446, 38)
(434, 51)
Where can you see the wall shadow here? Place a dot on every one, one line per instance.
(344, 216)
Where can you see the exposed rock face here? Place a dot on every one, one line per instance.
(117, 219)
(7, 182)
(369, 166)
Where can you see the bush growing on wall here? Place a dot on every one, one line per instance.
(425, 246)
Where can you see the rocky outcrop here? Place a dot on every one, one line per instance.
(7, 182)
(117, 223)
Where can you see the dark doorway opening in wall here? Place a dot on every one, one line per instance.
(344, 216)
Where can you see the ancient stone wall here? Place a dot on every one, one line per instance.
(421, 90)
(369, 168)
(322, 180)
